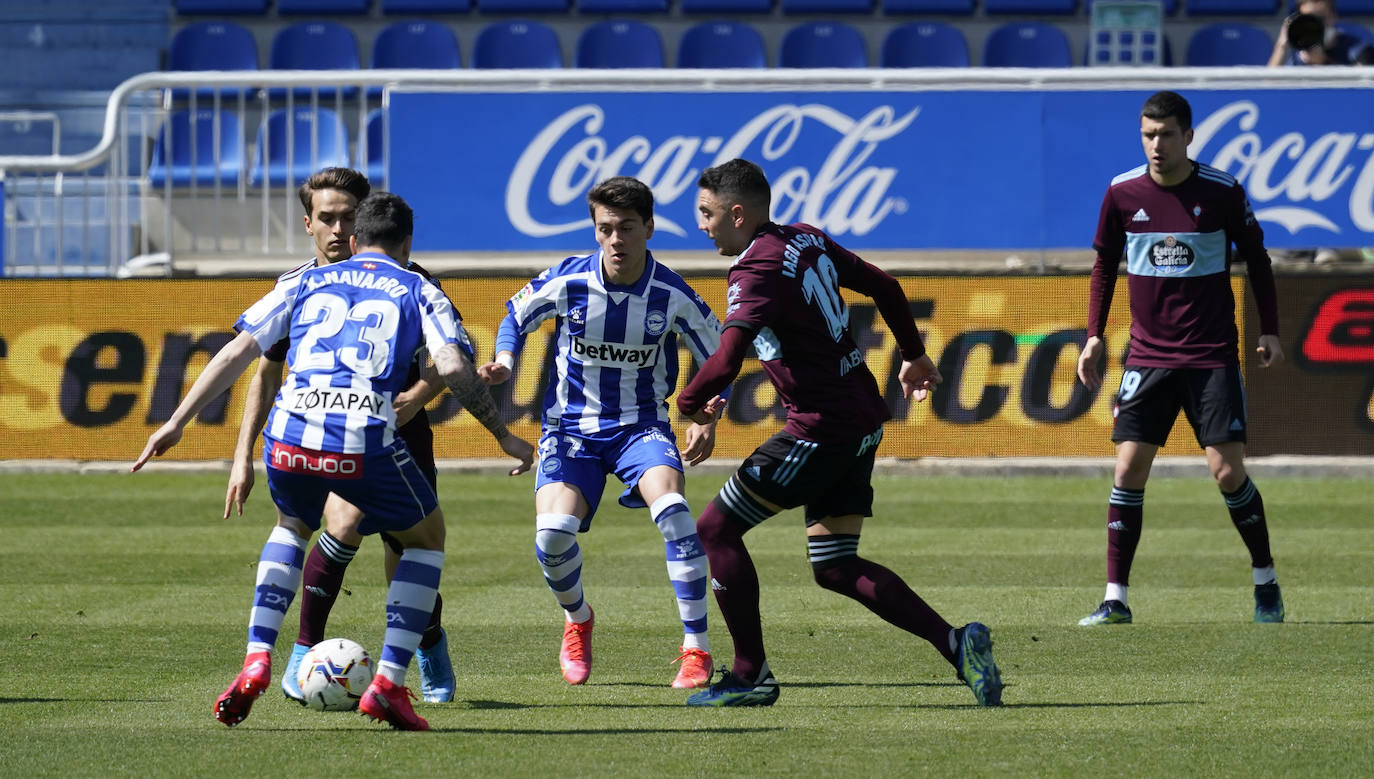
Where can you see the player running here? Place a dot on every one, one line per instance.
(355, 326)
(619, 314)
(784, 300)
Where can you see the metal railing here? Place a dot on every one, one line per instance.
(129, 209)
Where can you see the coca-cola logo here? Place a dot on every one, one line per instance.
(1290, 167)
(839, 192)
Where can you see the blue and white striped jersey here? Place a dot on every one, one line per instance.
(616, 356)
(355, 327)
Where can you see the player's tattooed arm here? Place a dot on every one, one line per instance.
(461, 377)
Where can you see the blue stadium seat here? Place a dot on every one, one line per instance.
(726, 6)
(391, 7)
(1231, 7)
(221, 7)
(823, 45)
(928, 6)
(314, 46)
(1356, 7)
(1229, 43)
(522, 6)
(925, 45)
(1027, 45)
(374, 149)
(622, 6)
(827, 6)
(619, 44)
(317, 139)
(1170, 6)
(1358, 31)
(212, 46)
(721, 45)
(181, 170)
(1030, 6)
(518, 43)
(285, 7)
(416, 44)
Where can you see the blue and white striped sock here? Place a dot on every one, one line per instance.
(686, 566)
(279, 576)
(555, 546)
(409, 602)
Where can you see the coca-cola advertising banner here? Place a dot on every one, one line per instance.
(877, 170)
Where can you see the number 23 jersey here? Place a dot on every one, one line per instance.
(355, 327)
(785, 289)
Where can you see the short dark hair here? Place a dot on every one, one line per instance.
(740, 180)
(623, 192)
(346, 179)
(384, 220)
(1163, 105)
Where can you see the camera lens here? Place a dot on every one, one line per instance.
(1306, 31)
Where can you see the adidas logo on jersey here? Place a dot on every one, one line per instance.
(1140, 216)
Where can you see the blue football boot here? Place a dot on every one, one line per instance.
(437, 684)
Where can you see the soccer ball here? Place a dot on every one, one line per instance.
(334, 674)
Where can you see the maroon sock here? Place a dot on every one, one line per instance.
(736, 585)
(1125, 512)
(434, 630)
(1247, 513)
(320, 584)
(884, 593)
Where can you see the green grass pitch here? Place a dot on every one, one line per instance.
(125, 601)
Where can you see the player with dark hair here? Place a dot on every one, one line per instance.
(784, 299)
(1175, 221)
(619, 314)
(355, 327)
(330, 198)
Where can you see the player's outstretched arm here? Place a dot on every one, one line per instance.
(262, 388)
(461, 377)
(219, 375)
(1089, 361)
(509, 342)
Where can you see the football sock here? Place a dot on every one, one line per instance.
(320, 585)
(409, 602)
(1125, 512)
(686, 566)
(1116, 592)
(435, 629)
(555, 546)
(1247, 514)
(1264, 575)
(735, 583)
(837, 567)
(279, 574)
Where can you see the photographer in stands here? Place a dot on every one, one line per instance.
(1311, 37)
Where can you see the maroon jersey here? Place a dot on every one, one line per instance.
(784, 291)
(418, 435)
(1177, 243)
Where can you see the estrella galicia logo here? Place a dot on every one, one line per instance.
(655, 322)
(1171, 254)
